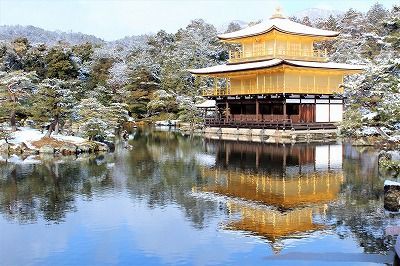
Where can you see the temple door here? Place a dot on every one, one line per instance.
(307, 113)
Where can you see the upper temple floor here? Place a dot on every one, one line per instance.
(279, 38)
(277, 45)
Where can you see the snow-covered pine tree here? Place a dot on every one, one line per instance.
(15, 89)
(53, 103)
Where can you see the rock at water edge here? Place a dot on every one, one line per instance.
(391, 196)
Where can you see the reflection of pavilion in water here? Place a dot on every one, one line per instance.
(291, 184)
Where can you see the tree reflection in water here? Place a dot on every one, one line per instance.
(48, 189)
(280, 187)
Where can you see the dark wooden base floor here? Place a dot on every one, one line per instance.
(286, 125)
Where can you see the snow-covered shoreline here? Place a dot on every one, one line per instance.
(25, 140)
(28, 135)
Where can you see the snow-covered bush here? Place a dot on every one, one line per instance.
(95, 129)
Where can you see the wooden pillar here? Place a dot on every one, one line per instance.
(301, 106)
(257, 109)
(329, 109)
(264, 48)
(284, 108)
(315, 89)
(257, 83)
(287, 47)
(227, 112)
(215, 86)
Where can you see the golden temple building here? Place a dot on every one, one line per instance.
(277, 78)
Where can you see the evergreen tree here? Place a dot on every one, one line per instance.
(233, 26)
(392, 26)
(5, 134)
(374, 19)
(52, 103)
(306, 21)
(15, 89)
(99, 119)
(99, 72)
(331, 23)
(60, 64)
(34, 60)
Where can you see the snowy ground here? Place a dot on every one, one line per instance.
(27, 135)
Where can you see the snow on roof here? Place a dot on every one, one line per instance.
(281, 24)
(324, 65)
(206, 104)
(270, 63)
(235, 67)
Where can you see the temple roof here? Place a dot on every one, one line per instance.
(271, 63)
(281, 24)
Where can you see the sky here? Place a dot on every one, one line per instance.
(114, 19)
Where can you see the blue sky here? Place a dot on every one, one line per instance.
(114, 19)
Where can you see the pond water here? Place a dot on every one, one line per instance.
(183, 200)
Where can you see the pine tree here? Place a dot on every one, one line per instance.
(233, 26)
(331, 23)
(392, 26)
(100, 119)
(52, 103)
(306, 21)
(5, 134)
(60, 64)
(15, 89)
(374, 19)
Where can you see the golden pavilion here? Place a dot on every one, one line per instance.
(277, 78)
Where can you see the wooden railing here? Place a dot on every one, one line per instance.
(216, 91)
(302, 54)
(268, 124)
(246, 91)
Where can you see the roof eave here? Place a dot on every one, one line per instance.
(277, 29)
(282, 62)
(355, 70)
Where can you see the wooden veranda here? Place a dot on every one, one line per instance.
(286, 124)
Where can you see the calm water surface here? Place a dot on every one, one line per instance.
(189, 201)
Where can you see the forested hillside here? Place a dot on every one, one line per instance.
(97, 85)
(38, 35)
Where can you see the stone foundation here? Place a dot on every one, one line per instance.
(266, 135)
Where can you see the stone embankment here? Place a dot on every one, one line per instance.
(264, 135)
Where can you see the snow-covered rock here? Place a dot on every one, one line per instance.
(395, 138)
(167, 123)
(391, 183)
